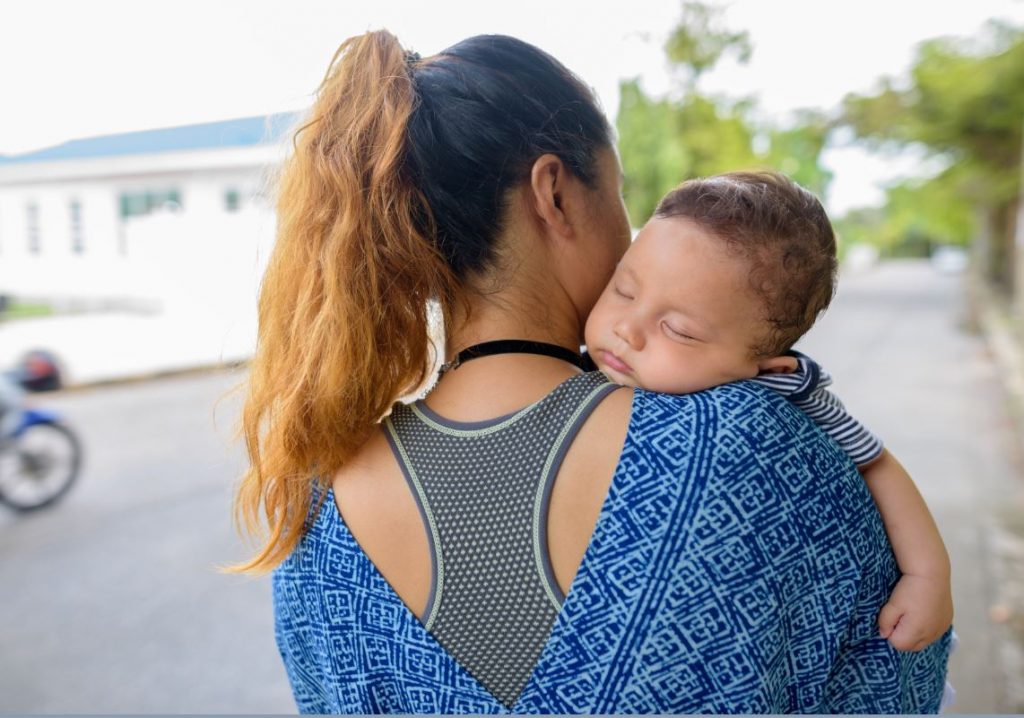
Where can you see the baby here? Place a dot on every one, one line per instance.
(729, 273)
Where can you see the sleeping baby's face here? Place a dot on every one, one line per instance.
(678, 315)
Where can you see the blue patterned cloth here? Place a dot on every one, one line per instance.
(738, 565)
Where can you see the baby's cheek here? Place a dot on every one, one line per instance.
(590, 330)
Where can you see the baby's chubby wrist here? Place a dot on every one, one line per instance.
(937, 582)
(933, 565)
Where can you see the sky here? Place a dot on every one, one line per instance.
(80, 69)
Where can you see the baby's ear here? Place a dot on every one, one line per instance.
(777, 365)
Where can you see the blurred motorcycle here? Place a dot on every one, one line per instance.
(40, 456)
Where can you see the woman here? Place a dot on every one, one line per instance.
(424, 562)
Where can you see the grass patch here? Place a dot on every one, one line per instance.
(26, 310)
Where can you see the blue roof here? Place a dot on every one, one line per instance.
(244, 132)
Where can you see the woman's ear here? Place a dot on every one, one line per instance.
(777, 365)
(550, 182)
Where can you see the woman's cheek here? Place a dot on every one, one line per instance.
(592, 330)
(588, 337)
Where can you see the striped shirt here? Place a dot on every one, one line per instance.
(807, 389)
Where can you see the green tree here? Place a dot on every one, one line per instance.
(964, 104)
(663, 141)
(918, 215)
(796, 150)
(700, 40)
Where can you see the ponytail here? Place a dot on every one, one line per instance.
(343, 307)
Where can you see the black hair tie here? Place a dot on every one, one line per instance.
(411, 58)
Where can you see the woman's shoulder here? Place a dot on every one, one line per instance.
(732, 492)
(741, 437)
(742, 407)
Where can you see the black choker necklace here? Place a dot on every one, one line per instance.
(514, 346)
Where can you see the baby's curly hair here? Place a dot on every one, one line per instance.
(784, 233)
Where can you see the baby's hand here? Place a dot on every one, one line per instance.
(919, 611)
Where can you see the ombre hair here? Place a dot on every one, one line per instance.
(394, 196)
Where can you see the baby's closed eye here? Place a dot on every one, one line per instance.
(677, 332)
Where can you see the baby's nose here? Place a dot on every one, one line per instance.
(630, 332)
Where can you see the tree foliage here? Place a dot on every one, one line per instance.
(964, 104)
(961, 106)
(917, 215)
(662, 142)
(965, 99)
(700, 40)
(666, 140)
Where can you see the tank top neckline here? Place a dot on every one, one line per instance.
(335, 517)
(432, 417)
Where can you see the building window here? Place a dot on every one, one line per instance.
(137, 204)
(77, 243)
(232, 200)
(32, 227)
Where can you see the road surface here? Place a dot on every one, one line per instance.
(111, 602)
(895, 343)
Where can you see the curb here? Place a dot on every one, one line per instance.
(1005, 554)
(1008, 354)
(140, 378)
(995, 323)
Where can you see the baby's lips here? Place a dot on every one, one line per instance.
(615, 362)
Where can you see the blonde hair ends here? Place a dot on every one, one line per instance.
(343, 306)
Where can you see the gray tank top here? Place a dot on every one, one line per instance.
(483, 490)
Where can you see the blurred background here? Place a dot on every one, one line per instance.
(138, 146)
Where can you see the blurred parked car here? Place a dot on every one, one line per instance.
(949, 260)
(859, 257)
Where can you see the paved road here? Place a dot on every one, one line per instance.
(111, 603)
(902, 362)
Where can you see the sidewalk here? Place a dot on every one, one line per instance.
(896, 344)
(1007, 347)
(1007, 610)
(116, 346)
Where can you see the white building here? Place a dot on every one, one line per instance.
(166, 231)
(68, 213)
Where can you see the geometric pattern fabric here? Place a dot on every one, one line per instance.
(738, 566)
(483, 490)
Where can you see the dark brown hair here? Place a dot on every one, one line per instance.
(392, 199)
(782, 230)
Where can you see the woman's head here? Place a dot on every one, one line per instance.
(398, 192)
(487, 109)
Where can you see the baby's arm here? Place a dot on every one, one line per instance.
(920, 608)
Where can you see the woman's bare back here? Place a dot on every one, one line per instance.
(378, 508)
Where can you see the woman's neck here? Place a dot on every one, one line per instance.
(508, 316)
(527, 301)
(502, 383)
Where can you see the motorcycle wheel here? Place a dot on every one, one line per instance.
(38, 466)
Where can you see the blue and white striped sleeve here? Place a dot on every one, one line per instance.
(807, 389)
